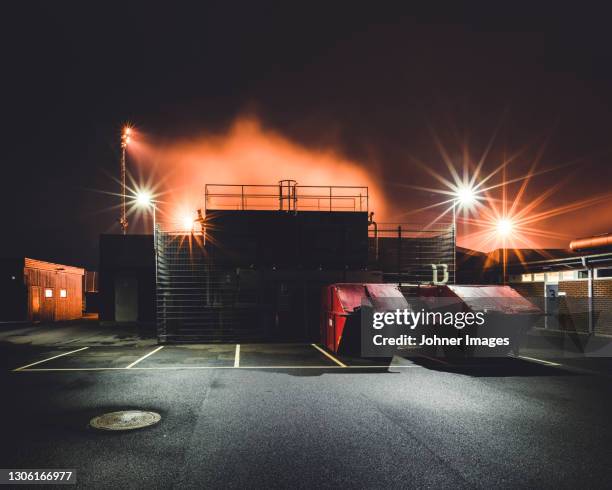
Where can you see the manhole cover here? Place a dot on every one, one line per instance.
(125, 420)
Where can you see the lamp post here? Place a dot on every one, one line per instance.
(144, 199)
(504, 226)
(464, 198)
(125, 140)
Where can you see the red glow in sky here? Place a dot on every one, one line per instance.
(246, 154)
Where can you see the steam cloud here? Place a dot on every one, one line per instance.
(246, 154)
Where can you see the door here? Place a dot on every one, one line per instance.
(552, 306)
(126, 299)
(35, 293)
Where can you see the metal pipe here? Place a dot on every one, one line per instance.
(373, 223)
(598, 241)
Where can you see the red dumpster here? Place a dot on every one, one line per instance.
(341, 300)
(509, 314)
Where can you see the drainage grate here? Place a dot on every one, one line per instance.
(125, 420)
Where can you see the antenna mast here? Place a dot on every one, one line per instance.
(125, 139)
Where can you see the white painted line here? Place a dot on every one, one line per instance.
(164, 368)
(237, 356)
(325, 353)
(541, 361)
(144, 357)
(50, 358)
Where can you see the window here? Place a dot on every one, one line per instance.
(569, 275)
(48, 293)
(583, 274)
(552, 277)
(604, 272)
(63, 293)
(538, 277)
(527, 278)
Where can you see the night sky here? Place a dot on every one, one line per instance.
(371, 84)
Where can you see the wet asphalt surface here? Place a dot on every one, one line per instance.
(289, 416)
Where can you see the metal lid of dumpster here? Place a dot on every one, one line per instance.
(502, 299)
(350, 295)
(384, 296)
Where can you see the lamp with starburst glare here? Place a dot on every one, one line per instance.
(504, 227)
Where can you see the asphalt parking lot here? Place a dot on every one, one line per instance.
(199, 356)
(293, 415)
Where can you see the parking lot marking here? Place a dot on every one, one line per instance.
(339, 363)
(540, 361)
(174, 368)
(49, 359)
(144, 357)
(237, 356)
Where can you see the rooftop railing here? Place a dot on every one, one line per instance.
(287, 195)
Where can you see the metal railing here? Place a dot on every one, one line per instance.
(409, 253)
(196, 299)
(286, 196)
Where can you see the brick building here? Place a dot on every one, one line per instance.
(574, 286)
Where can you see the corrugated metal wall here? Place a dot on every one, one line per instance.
(41, 276)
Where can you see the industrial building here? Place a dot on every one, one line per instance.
(256, 269)
(39, 291)
(254, 266)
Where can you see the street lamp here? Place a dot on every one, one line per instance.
(464, 197)
(504, 227)
(144, 199)
(187, 222)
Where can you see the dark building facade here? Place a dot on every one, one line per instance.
(256, 274)
(126, 279)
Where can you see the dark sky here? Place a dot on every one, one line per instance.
(367, 81)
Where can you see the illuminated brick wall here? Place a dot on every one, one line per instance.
(574, 289)
(529, 289)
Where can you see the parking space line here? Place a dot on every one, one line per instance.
(144, 357)
(539, 361)
(325, 353)
(49, 359)
(237, 356)
(174, 368)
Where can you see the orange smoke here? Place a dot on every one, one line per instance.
(246, 154)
